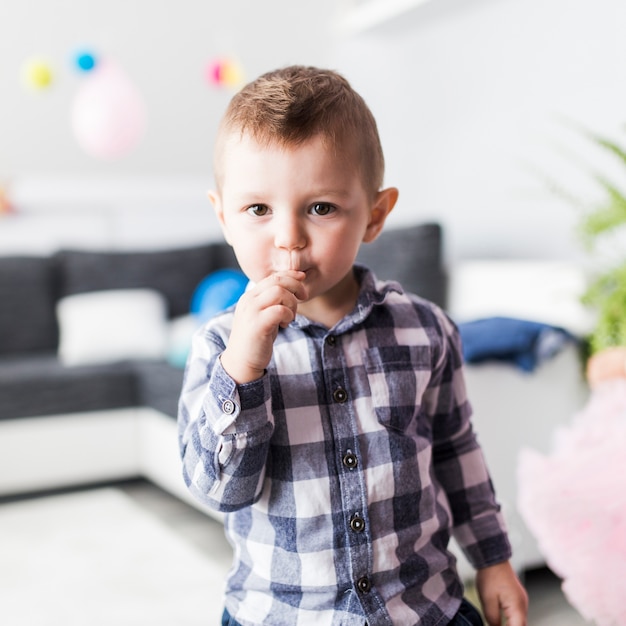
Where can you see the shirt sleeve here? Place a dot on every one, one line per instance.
(458, 461)
(224, 429)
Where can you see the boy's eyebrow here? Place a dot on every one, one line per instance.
(248, 195)
(331, 192)
(251, 195)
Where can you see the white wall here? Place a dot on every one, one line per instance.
(465, 92)
(156, 194)
(164, 46)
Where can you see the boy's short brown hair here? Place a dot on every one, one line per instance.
(291, 105)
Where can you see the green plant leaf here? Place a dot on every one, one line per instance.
(606, 216)
(607, 293)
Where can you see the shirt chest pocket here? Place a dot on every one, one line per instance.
(398, 377)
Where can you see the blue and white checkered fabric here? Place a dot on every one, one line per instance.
(343, 470)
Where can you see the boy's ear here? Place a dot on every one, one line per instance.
(214, 197)
(383, 204)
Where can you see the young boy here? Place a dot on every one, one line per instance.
(326, 414)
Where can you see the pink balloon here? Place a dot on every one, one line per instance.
(108, 114)
(214, 72)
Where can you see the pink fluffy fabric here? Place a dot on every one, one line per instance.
(574, 502)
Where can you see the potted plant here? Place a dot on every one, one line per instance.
(606, 294)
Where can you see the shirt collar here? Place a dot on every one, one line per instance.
(372, 292)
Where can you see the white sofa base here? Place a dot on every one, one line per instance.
(58, 451)
(39, 453)
(159, 457)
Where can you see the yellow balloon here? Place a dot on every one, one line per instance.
(37, 74)
(232, 74)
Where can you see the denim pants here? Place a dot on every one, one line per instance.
(467, 615)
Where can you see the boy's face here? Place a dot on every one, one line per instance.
(298, 207)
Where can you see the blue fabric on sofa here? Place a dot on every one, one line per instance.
(524, 343)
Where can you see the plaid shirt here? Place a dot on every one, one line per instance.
(343, 470)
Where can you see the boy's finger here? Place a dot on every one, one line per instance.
(292, 281)
(491, 610)
(515, 615)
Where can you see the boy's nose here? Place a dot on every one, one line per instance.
(289, 234)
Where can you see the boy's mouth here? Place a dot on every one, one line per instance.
(289, 261)
(294, 269)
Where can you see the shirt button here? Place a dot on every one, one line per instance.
(228, 406)
(364, 585)
(340, 395)
(331, 340)
(357, 523)
(350, 460)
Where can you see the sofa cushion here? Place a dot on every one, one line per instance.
(412, 256)
(175, 273)
(159, 385)
(41, 385)
(106, 326)
(27, 319)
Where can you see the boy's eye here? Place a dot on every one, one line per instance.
(322, 208)
(258, 209)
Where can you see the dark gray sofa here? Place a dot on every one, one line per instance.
(57, 422)
(32, 379)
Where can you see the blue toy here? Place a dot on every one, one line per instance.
(218, 291)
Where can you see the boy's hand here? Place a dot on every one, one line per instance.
(270, 304)
(502, 595)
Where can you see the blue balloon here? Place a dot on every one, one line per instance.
(86, 61)
(218, 291)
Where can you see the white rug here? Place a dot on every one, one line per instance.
(96, 558)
